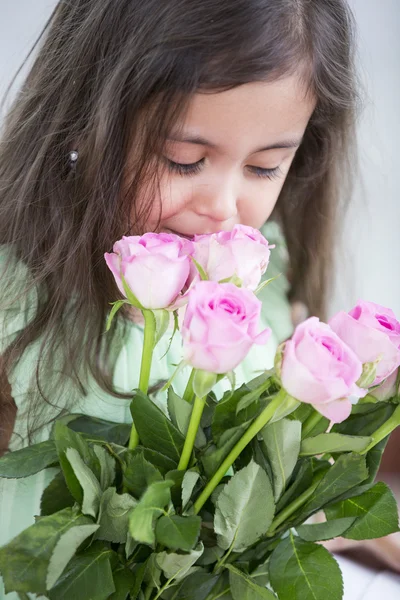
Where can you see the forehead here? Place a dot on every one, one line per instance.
(259, 111)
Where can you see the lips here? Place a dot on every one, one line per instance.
(188, 236)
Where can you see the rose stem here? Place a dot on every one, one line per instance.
(194, 423)
(293, 506)
(384, 430)
(249, 434)
(310, 423)
(189, 393)
(147, 355)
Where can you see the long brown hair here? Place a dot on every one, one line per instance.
(111, 74)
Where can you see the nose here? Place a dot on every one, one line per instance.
(218, 201)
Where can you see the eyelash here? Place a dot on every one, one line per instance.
(194, 168)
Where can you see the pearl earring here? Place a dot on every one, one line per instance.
(73, 159)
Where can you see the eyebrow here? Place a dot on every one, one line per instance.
(292, 143)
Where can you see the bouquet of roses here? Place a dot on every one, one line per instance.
(214, 499)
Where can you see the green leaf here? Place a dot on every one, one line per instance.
(374, 457)
(324, 531)
(333, 442)
(129, 294)
(152, 574)
(302, 570)
(28, 461)
(178, 533)
(130, 545)
(88, 575)
(301, 480)
(138, 574)
(213, 456)
(24, 561)
(117, 433)
(195, 586)
(148, 509)
(161, 318)
(347, 472)
(250, 399)
(226, 413)
(176, 490)
(201, 271)
(114, 516)
(376, 510)
(107, 467)
(56, 496)
(282, 441)
(115, 308)
(180, 412)
(65, 549)
(177, 565)
(210, 555)
(124, 580)
(367, 421)
(244, 587)
(189, 481)
(66, 438)
(244, 509)
(139, 474)
(90, 485)
(160, 461)
(155, 430)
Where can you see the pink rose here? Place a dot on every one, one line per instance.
(320, 369)
(220, 326)
(244, 252)
(371, 331)
(155, 266)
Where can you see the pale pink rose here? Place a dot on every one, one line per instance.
(220, 326)
(155, 265)
(371, 331)
(387, 389)
(244, 252)
(320, 369)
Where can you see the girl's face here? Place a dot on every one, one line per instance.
(229, 161)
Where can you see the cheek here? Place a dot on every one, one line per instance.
(166, 201)
(175, 194)
(256, 207)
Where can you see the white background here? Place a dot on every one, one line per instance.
(371, 266)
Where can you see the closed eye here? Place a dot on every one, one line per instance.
(185, 169)
(194, 168)
(266, 173)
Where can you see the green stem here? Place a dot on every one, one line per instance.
(384, 430)
(293, 506)
(148, 592)
(194, 424)
(148, 347)
(145, 367)
(188, 394)
(225, 557)
(248, 435)
(310, 423)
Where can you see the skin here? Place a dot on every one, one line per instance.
(230, 185)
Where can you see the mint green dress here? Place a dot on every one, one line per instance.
(20, 498)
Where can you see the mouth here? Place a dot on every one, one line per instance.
(187, 236)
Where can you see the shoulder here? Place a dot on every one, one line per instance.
(18, 296)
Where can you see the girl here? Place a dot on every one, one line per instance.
(179, 116)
